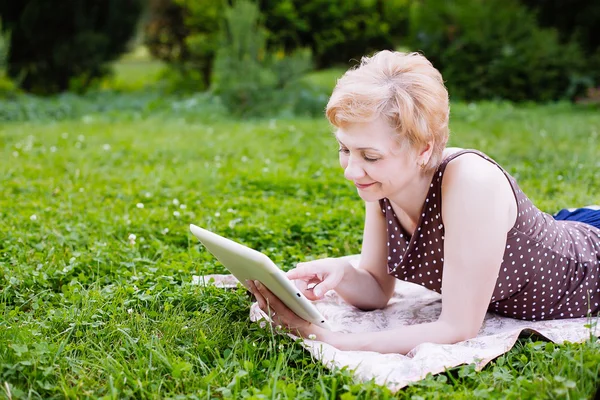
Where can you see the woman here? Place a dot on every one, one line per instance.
(449, 219)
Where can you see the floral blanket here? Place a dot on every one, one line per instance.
(413, 304)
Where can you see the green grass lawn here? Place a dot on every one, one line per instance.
(88, 311)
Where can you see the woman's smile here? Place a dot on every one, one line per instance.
(363, 186)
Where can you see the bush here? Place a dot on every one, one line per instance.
(4, 43)
(577, 20)
(249, 79)
(336, 31)
(494, 49)
(56, 45)
(185, 34)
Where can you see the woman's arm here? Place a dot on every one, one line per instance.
(369, 286)
(478, 210)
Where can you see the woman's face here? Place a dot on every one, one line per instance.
(374, 161)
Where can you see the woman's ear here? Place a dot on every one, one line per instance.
(425, 154)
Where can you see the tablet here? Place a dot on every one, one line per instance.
(246, 263)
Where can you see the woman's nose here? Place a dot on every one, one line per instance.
(353, 170)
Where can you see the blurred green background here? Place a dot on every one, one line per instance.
(254, 57)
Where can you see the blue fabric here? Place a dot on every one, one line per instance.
(586, 215)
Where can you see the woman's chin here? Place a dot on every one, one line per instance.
(369, 196)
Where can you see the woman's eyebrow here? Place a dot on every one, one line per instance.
(358, 148)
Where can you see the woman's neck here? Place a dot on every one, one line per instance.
(411, 202)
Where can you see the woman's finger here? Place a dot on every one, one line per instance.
(330, 282)
(304, 271)
(262, 303)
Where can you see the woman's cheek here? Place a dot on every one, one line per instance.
(343, 160)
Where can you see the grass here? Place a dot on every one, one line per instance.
(87, 311)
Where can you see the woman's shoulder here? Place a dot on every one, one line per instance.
(469, 161)
(473, 176)
(448, 151)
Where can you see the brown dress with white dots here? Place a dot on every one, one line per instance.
(550, 269)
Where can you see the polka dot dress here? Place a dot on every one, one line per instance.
(550, 269)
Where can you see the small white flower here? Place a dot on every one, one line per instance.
(106, 147)
(64, 135)
(15, 154)
(53, 149)
(175, 202)
(183, 206)
(217, 214)
(165, 231)
(176, 213)
(244, 159)
(148, 195)
(33, 217)
(81, 138)
(81, 190)
(129, 310)
(140, 205)
(131, 238)
(312, 336)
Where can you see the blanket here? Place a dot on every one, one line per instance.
(413, 304)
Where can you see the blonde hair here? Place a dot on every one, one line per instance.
(405, 89)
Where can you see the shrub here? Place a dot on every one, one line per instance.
(577, 20)
(4, 43)
(185, 34)
(249, 79)
(336, 31)
(494, 49)
(57, 45)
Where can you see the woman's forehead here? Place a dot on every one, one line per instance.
(374, 135)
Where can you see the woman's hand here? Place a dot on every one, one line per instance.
(315, 278)
(280, 314)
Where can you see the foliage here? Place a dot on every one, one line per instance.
(494, 49)
(185, 33)
(576, 19)
(85, 37)
(336, 31)
(4, 45)
(249, 79)
(87, 312)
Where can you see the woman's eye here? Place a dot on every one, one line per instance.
(368, 159)
(343, 150)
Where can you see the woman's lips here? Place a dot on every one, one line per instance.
(358, 185)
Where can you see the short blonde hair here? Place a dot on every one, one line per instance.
(405, 89)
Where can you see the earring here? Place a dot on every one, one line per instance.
(423, 164)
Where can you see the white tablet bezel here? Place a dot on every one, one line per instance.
(246, 263)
